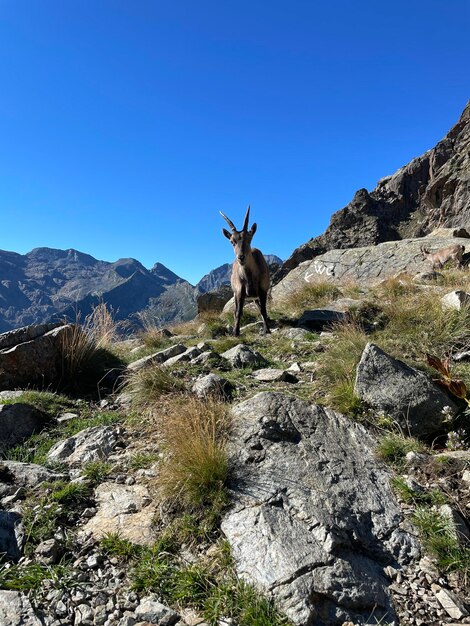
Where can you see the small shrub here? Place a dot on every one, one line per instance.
(97, 471)
(114, 545)
(149, 384)
(142, 460)
(69, 494)
(32, 577)
(394, 447)
(195, 467)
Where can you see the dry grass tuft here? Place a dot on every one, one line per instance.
(149, 384)
(195, 468)
(310, 295)
(337, 367)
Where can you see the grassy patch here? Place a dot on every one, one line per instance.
(32, 577)
(337, 367)
(143, 460)
(393, 448)
(114, 545)
(310, 295)
(52, 404)
(438, 539)
(149, 384)
(195, 467)
(411, 496)
(97, 471)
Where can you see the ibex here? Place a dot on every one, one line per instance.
(440, 257)
(250, 273)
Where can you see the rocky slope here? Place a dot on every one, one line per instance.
(432, 191)
(313, 518)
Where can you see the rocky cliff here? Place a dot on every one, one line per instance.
(432, 191)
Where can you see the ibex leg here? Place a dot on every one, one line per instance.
(239, 302)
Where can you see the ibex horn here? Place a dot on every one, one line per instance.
(229, 222)
(247, 217)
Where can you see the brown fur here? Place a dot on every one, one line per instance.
(439, 258)
(250, 272)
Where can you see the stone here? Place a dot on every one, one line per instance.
(296, 334)
(214, 301)
(11, 395)
(84, 615)
(456, 300)
(243, 356)
(48, 551)
(400, 391)
(16, 610)
(11, 535)
(38, 361)
(449, 602)
(313, 517)
(211, 359)
(155, 612)
(271, 375)
(17, 474)
(66, 417)
(90, 444)
(156, 358)
(214, 386)
(429, 276)
(124, 509)
(457, 525)
(464, 355)
(18, 422)
(187, 355)
(318, 319)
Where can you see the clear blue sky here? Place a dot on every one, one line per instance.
(125, 126)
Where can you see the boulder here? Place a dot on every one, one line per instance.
(296, 334)
(11, 536)
(243, 356)
(272, 375)
(16, 610)
(17, 422)
(37, 361)
(154, 612)
(318, 319)
(400, 391)
(314, 520)
(157, 357)
(91, 444)
(456, 300)
(15, 474)
(123, 509)
(213, 301)
(187, 355)
(213, 386)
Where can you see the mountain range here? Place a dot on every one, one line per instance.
(46, 284)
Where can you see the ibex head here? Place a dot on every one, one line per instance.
(240, 239)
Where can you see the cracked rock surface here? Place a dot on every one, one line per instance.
(314, 520)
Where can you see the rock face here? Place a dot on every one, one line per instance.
(363, 266)
(314, 520)
(32, 356)
(401, 391)
(18, 421)
(16, 610)
(91, 444)
(432, 191)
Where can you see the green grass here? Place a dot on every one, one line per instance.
(52, 404)
(32, 577)
(410, 496)
(438, 539)
(114, 545)
(337, 368)
(149, 384)
(310, 295)
(143, 460)
(97, 471)
(393, 448)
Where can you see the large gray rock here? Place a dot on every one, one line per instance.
(402, 392)
(33, 362)
(213, 386)
(319, 319)
(16, 610)
(456, 300)
(17, 422)
(15, 474)
(313, 520)
(91, 444)
(243, 356)
(11, 535)
(154, 612)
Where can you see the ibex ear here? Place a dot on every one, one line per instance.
(226, 233)
(253, 229)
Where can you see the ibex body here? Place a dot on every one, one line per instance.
(440, 257)
(250, 272)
